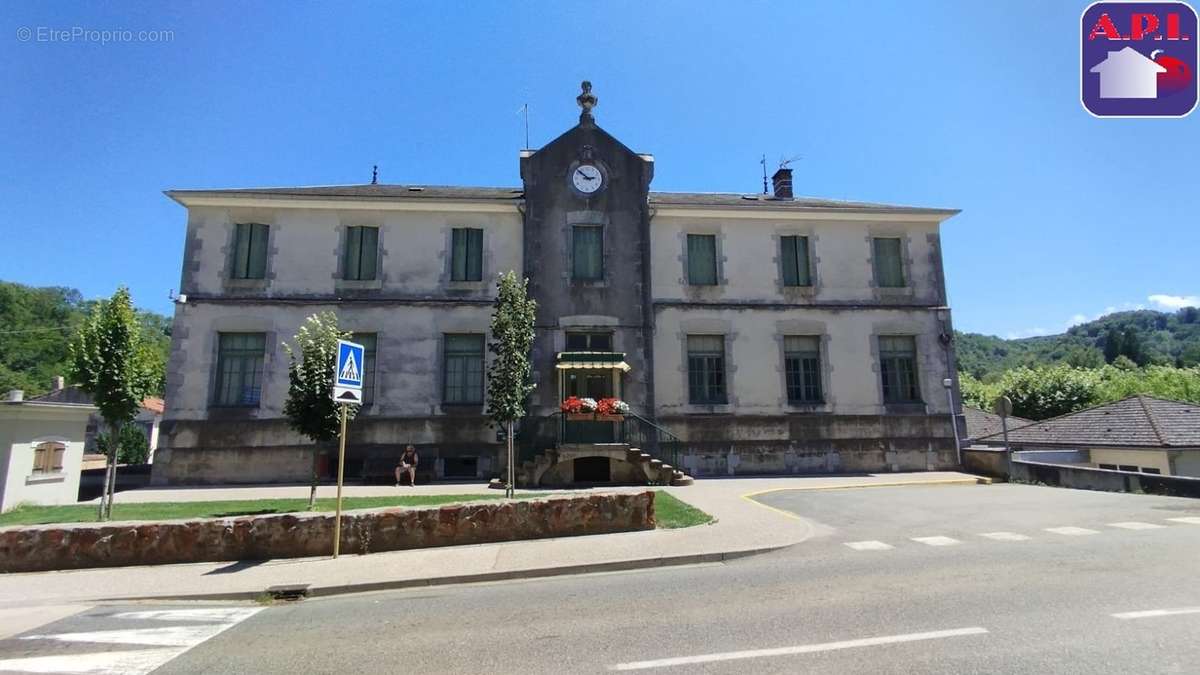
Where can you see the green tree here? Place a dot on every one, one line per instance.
(133, 449)
(1048, 392)
(508, 376)
(1123, 362)
(310, 407)
(1114, 345)
(108, 362)
(976, 393)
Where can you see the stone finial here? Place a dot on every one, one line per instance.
(586, 100)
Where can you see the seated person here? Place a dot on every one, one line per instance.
(408, 465)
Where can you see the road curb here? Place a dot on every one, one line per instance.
(532, 573)
(977, 480)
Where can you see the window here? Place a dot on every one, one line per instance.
(1127, 467)
(1148, 469)
(368, 341)
(1110, 467)
(587, 252)
(706, 368)
(48, 457)
(250, 251)
(362, 249)
(466, 262)
(240, 368)
(702, 259)
(898, 366)
(794, 252)
(889, 264)
(802, 368)
(589, 342)
(463, 369)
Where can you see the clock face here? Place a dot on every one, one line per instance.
(587, 178)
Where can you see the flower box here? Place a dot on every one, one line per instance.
(609, 418)
(581, 417)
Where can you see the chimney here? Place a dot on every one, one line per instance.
(782, 182)
(16, 396)
(56, 383)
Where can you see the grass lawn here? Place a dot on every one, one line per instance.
(671, 512)
(39, 515)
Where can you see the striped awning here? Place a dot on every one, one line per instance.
(593, 360)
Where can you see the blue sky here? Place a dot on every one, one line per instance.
(961, 104)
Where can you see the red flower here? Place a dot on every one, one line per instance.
(606, 406)
(572, 405)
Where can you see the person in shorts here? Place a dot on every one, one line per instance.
(408, 465)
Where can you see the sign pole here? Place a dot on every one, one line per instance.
(337, 519)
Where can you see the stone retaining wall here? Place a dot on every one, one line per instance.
(296, 535)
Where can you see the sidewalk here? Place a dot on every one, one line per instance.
(743, 527)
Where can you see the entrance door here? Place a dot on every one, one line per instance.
(593, 384)
(593, 470)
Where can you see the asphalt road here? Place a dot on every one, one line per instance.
(931, 594)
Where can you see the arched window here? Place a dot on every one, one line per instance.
(48, 457)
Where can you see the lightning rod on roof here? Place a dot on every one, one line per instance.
(763, 161)
(375, 175)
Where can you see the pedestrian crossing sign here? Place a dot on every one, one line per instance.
(348, 373)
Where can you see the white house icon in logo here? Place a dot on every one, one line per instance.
(1128, 74)
(349, 369)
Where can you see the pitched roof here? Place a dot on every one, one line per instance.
(1137, 421)
(516, 194)
(982, 423)
(73, 394)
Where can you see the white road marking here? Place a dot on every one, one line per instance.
(799, 649)
(868, 545)
(1071, 531)
(1149, 613)
(936, 541)
(1005, 536)
(1187, 519)
(170, 636)
(172, 641)
(1135, 525)
(234, 614)
(104, 663)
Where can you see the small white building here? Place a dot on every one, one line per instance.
(41, 450)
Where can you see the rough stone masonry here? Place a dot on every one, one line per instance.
(298, 535)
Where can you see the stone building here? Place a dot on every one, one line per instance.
(749, 333)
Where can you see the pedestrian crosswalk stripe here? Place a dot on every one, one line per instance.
(134, 662)
(936, 541)
(1135, 525)
(1187, 519)
(234, 614)
(168, 636)
(1072, 531)
(165, 642)
(1005, 536)
(868, 545)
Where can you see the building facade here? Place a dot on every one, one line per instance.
(767, 333)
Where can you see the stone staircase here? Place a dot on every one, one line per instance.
(551, 464)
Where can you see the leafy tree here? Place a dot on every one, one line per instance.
(36, 327)
(133, 448)
(108, 362)
(1048, 392)
(1123, 362)
(508, 376)
(1114, 345)
(976, 393)
(310, 407)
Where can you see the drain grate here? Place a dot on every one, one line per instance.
(288, 593)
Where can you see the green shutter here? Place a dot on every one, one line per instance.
(458, 255)
(475, 256)
(353, 253)
(587, 252)
(702, 259)
(368, 253)
(241, 250)
(257, 268)
(889, 264)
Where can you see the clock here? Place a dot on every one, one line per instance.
(587, 178)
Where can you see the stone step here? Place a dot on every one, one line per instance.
(682, 481)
